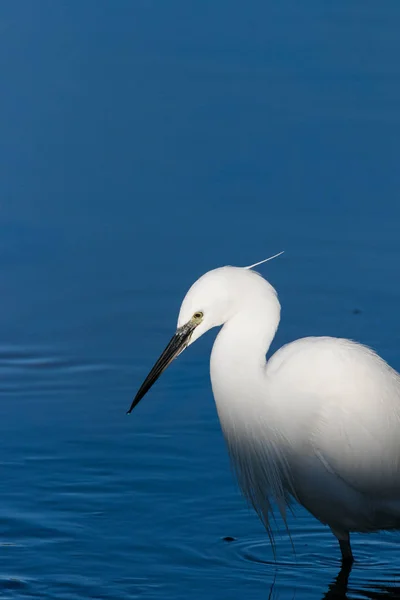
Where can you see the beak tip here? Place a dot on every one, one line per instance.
(176, 345)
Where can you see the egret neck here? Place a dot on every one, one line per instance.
(238, 358)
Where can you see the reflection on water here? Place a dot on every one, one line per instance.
(378, 590)
(313, 569)
(340, 589)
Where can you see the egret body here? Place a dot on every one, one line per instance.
(318, 423)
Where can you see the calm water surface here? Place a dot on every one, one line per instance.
(143, 143)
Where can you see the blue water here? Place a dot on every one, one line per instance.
(143, 143)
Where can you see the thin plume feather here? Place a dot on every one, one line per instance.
(264, 261)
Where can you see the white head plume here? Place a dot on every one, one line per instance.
(264, 261)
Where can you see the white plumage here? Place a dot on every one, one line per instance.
(319, 423)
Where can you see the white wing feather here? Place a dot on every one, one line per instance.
(345, 413)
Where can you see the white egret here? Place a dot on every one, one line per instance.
(318, 423)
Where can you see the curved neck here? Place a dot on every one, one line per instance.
(238, 355)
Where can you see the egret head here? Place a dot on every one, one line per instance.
(211, 301)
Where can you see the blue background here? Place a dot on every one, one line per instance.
(143, 143)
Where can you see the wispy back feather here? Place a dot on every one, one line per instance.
(262, 472)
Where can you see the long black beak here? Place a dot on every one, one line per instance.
(178, 343)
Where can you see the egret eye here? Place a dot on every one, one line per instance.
(198, 315)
